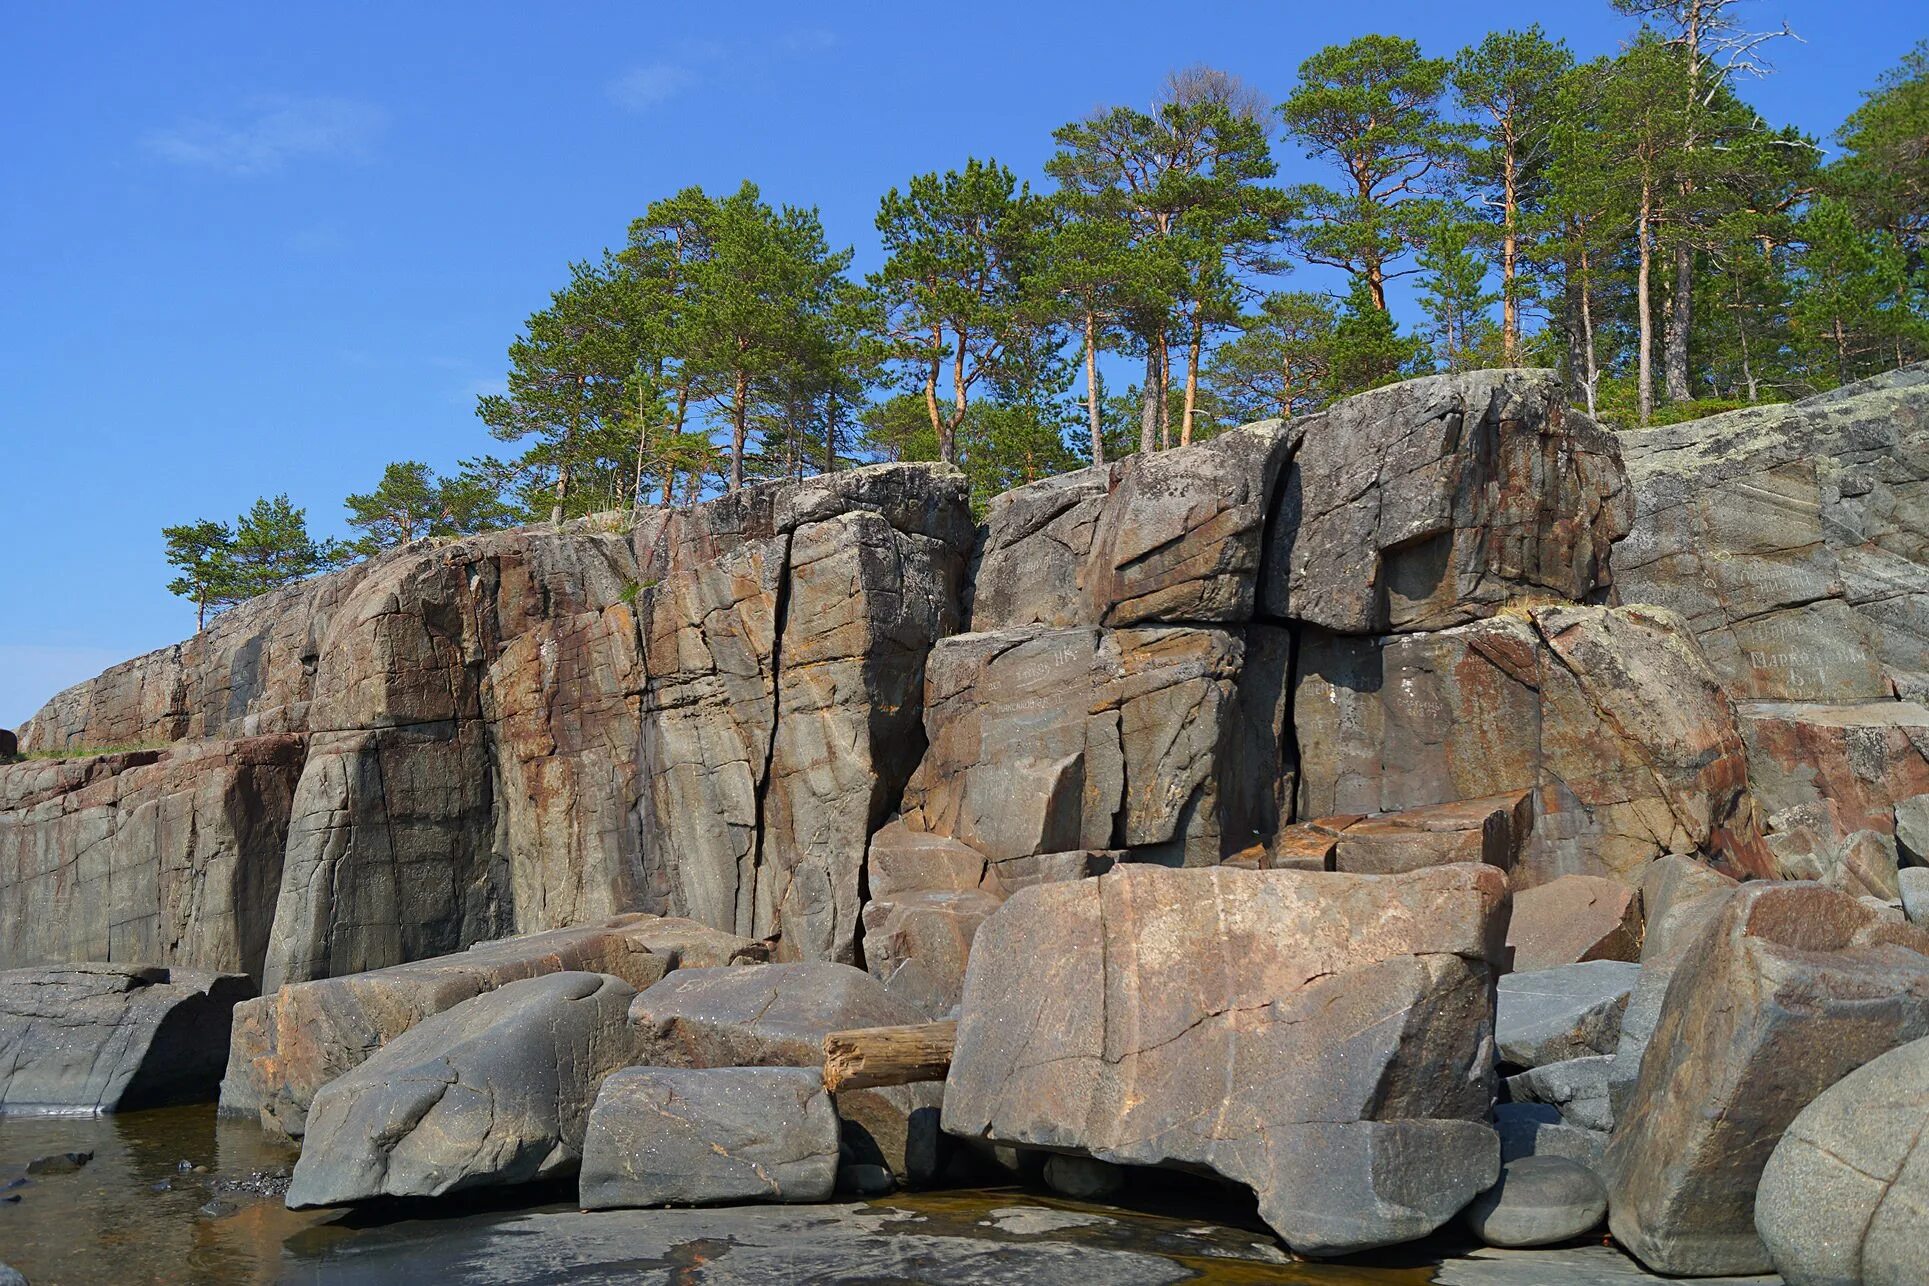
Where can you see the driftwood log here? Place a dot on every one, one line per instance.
(867, 1057)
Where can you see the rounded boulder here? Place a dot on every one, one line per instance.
(1539, 1201)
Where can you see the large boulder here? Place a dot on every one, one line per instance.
(1608, 715)
(1160, 740)
(1845, 1194)
(289, 1044)
(496, 1090)
(1539, 1201)
(1172, 536)
(1789, 989)
(1438, 501)
(112, 1037)
(169, 857)
(663, 1136)
(1794, 540)
(777, 1016)
(1494, 831)
(1322, 1038)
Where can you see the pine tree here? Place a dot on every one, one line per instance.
(1367, 349)
(1454, 297)
(1371, 107)
(203, 551)
(1857, 312)
(1510, 83)
(1883, 175)
(411, 503)
(1280, 365)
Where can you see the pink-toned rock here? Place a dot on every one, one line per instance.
(1574, 918)
(1494, 831)
(1325, 1039)
(1844, 768)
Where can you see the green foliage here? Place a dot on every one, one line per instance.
(1883, 175)
(1371, 109)
(1280, 365)
(267, 548)
(411, 503)
(1368, 349)
(1454, 296)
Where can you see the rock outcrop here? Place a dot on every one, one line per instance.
(1324, 1039)
(169, 857)
(1793, 540)
(1789, 989)
(1608, 715)
(112, 1037)
(496, 1090)
(778, 1016)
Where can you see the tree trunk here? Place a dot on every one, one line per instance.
(1148, 402)
(1091, 387)
(1165, 391)
(1509, 243)
(871, 1057)
(1680, 316)
(1644, 365)
(948, 440)
(1376, 282)
(739, 428)
(1194, 343)
(1593, 368)
(830, 433)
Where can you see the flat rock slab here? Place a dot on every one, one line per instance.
(286, 1046)
(111, 1037)
(1536, 1129)
(1550, 1015)
(1492, 830)
(777, 1016)
(1569, 1266)
(668, 1137)
(1845, 1196)
(1321, 1038)
(496, 1090)
(1791, 988)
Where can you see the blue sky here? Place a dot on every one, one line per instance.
(251, 248)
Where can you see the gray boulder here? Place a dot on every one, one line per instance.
(1539, 1201)
(1083, 1178)
(778, 1016)
(662, 1136)
(1845, 1195)
(1574, 1011)
(1319, 1037)
(1576, 1087)
(1912, 830)
(1792, 987)
(1915, 893)
(112, 1037)
(495, 1091)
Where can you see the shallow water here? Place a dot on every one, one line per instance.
(180, 1195)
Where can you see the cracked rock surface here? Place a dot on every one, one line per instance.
(1324, 1039)
(663, 1136)
(496, 1090)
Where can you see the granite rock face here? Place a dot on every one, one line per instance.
(168, 857)
(1793, 540)
(777, 1016)
(661, 1136)
(1174, 536)
(1436, 502)
(1323, 1038)
(289, 1044)
(1608, 715)
(1845, 1195)
(496, 1090)
(112, 1037)
(1791, 987)
(1159, 740)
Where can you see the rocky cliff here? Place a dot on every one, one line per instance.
(1350, 716)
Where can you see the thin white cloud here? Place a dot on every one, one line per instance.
(642, 88)
(268, 133)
